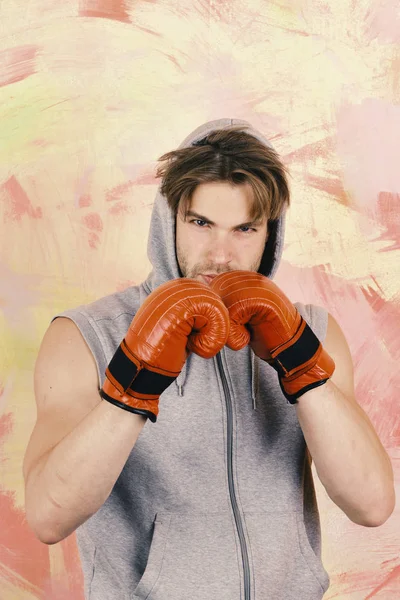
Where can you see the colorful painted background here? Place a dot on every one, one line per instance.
(92, 92)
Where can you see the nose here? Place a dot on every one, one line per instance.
(220, 251)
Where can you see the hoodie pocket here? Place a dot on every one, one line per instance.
(313, 561)
(284, 563)
(191, 556)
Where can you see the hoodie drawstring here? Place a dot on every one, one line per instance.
(254, 378)
(180, 380)
(254, 367)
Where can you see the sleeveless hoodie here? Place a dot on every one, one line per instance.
(216, 499)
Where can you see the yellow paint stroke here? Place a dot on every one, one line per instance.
(15, 587)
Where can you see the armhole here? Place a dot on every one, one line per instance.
(317, 318)
(91, 337)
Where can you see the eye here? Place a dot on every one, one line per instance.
(247, 229)
(199, 222)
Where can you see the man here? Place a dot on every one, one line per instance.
(214, 497)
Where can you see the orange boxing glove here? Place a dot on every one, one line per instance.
(263, 316)
(179, 317)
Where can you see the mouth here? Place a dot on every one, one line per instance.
(207, 278)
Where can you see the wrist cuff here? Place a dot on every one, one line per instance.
(133, 409)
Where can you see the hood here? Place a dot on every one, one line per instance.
(161, 242)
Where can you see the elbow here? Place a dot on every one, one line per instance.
(375, 521)
(45, 532)
(386, 507)
(52, 523)
(382, 512)
(48, 537)
(44, 525)
(378, 519)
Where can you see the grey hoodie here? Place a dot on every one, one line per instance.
(216, 500)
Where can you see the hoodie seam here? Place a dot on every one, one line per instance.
(114, 317)
(92, 572)
(146, 286)
(302, 552)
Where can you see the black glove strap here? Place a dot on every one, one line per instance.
(292, 399)
(141, 381)
(138, 411)
(299, 353)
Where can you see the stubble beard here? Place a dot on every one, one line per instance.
(192, 272)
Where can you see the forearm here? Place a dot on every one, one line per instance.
(72, 481)
(349, 458)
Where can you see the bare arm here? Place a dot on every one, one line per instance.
(80, 443)
(350, 460)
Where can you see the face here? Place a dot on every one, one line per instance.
(217, 234)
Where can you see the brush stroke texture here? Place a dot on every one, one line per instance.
(92, 92)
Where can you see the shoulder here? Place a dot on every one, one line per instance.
(64, 351)
(108, 307)
(101, 325)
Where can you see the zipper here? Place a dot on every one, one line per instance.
(232, 493)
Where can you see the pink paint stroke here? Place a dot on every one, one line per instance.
(331, 185)
(105, 9)
(388, 208)
(93, 221)
(382, 23)
(20, 551)
(82, 195)
(85, 200)
(368, 322)
(93, 240)
(395, 574)
(120, 208)
(17, 64)
(6, 422)
(367, 148)
(117, 192)
(138, 176)
(18, 201)
(146, 178)
(73, 567)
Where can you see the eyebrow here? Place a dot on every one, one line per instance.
(192, 213)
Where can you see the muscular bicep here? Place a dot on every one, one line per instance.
(66, 388)
(337, 347)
